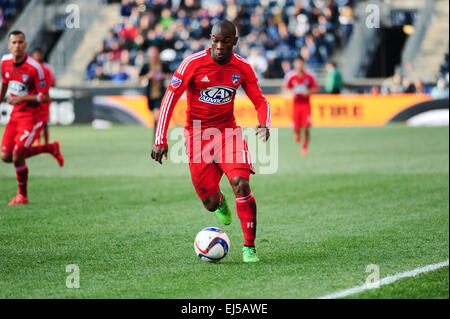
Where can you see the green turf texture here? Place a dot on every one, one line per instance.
(362, 196)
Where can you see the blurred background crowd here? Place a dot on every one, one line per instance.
(9, 9)
(271, 34)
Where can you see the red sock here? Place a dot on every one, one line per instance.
(306, 142)
(22, 178)
(46, 134)
(35, 150)
(246, 211)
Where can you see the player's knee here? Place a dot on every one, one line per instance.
(240, 185)
(6, 157)
(18, 159)
(211, 203)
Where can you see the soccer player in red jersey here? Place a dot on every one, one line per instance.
(50, 78)
(302, 84)
(211, 78)
(25, 78)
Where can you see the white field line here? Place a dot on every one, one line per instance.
(384, 281)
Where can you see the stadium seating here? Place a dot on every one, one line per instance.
(271, 33)
(9, 9)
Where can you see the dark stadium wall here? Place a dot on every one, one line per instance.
(420, 108)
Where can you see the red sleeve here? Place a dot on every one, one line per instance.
(175, 90)
(51, 77)
(40, 83)
(4, 79)
(251, 88)
(312, 82)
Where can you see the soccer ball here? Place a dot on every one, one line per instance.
(211, 244)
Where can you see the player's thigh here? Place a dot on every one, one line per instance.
(205, 178)
(9, 138)
(235, 154)
(27, 132)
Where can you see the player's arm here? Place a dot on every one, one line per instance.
(313, 87)
(3, 90)
(251, 88)
(176, 88)
(42, 89)
(38, 98)
(3, 83)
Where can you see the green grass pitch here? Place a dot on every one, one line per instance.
(362, 196)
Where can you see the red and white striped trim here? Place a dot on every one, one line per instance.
(30, 137)
(34, 63)
(268, 121)
(163, 114)
(189, 59)
(241, 58)
(7, 57)
(245, 198)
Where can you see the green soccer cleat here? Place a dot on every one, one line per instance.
(223, 212)
(249, 255)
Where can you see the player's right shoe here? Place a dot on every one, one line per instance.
(19, 199)
(304, 151)
(297, 137)
(57, 154)
(223, 212)
(249, 255)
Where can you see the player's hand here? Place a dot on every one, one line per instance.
(15, 100)
(158, 152)
(263, 132)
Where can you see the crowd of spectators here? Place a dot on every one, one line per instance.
(8, 11)
(271, 33)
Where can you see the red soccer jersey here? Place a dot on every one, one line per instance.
(211, 89)
(300, 84)
(27, 78)
(44, 109)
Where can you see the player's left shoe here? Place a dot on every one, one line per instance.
(19, 199)
(223, 212)
(249, 255)
(304, 151)
(57, 154)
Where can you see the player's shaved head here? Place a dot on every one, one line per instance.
(224, 28)
(16, 33)
(17, 45)
(223, 39)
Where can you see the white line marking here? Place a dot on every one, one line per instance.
(385, 281)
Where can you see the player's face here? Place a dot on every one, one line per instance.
(222, 44)
(17, 45)
(299, 65)
(38, 56)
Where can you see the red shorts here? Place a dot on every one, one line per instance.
(214, 152)
(44, 112)
(301, 116)
(20, 134)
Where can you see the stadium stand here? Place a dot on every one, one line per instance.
(271, 33)
(9, 9)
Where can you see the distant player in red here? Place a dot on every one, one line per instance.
(302, 84)
(211, 78)
(28, 88)
(50, 78)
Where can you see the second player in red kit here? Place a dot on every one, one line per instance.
(44, 109)
(211, 78)
(28, 88)
(302, 84)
